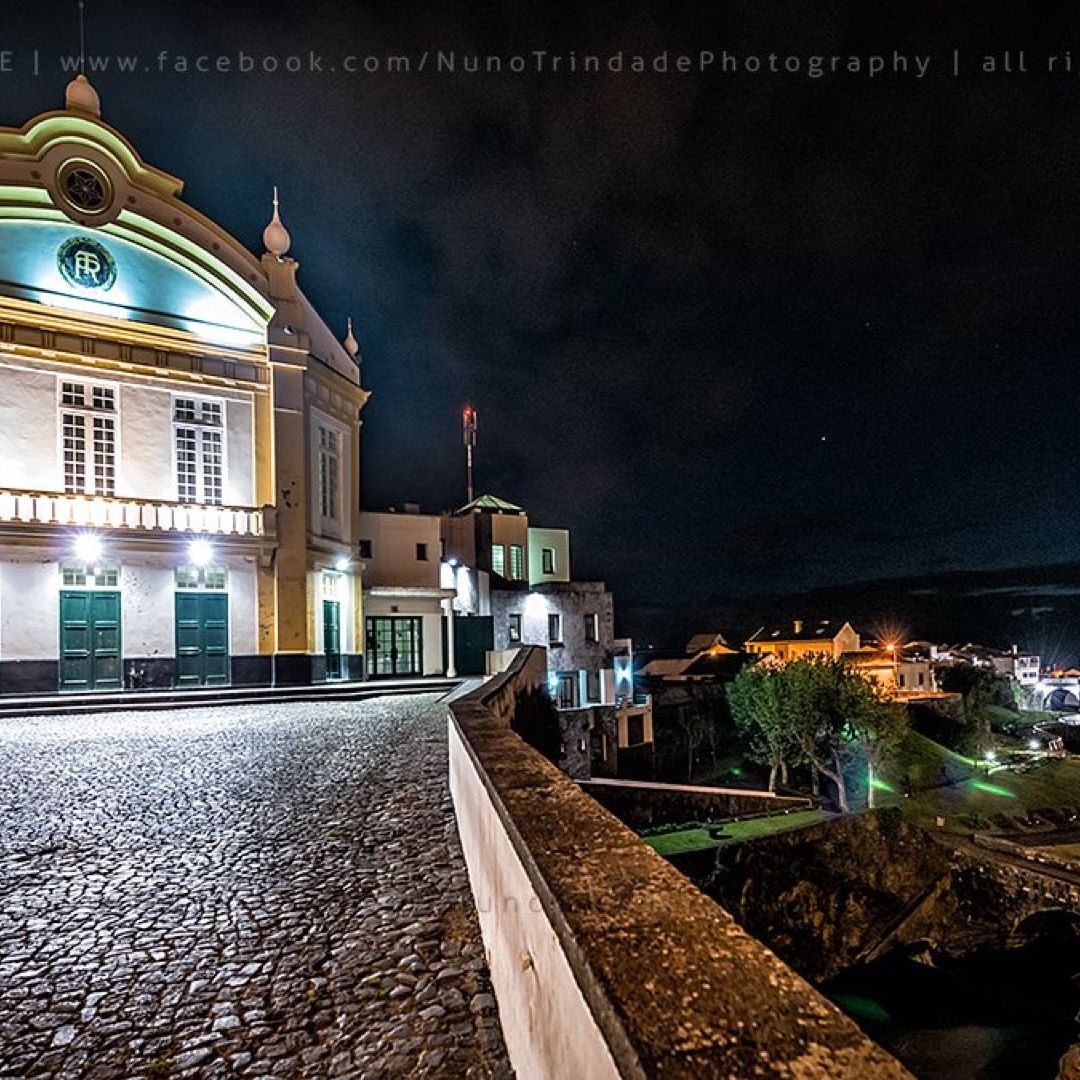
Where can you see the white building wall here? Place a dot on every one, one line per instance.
(29, 442)
(147, 469)
(31, 455)
(558, 540)
(243, 608)
(30, 590)
(240, 452)
(393, 558)
(29, 607)
(147, 608)
(431, 628)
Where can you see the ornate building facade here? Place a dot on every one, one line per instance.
(179, 433)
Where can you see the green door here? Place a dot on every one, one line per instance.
(202, 639)
(331, 612)
(90, 640)
(473, 636)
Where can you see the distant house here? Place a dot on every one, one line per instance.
(714, 643)
(906, 672)
(799, 639)
(1022, 668)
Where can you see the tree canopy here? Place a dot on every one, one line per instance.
(816, 711)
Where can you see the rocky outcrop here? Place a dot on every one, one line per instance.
(828, 896)
(1069, 1066)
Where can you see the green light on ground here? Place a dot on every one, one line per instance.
(992, 789)
(880, 785)
(862, 1008)
(736, 771)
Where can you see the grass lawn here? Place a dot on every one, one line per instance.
(766, 826)
(697, 839)
(673, 843)
(1054, 783)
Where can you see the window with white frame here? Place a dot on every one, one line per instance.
(79, 575)
(201, 577)
(555, 628)
(547, 559)
(198, 427)
(517, 562)
(329, 472)
(498, 559)
(88, 434)
(513, 627)
(333, 585)
(592, 627)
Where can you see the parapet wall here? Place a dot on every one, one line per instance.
(641, 804)
(606, 961)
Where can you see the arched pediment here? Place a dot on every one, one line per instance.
(86, 225)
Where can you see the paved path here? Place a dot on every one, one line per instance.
(270, 890)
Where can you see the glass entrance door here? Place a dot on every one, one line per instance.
(395, 645)
(89, 640)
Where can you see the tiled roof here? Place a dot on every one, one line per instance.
(807, 631)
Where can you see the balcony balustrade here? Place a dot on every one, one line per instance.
(146, 515)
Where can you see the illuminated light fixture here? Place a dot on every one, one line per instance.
(535, 604)
(1034, 744)
(991, 756)
(200, 552)
(452, 561)
(88, 547)
(342, 564)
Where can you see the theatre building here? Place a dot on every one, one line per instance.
(179, 483)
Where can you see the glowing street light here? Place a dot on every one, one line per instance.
(200, 552)
(342, 564)
(88, 547)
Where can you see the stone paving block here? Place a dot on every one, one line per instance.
(272, 890)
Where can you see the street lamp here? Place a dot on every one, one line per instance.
(200, 552)
(88, 548)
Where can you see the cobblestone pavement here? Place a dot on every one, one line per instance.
(272, 890)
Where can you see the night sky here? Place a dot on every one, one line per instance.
(746, 335)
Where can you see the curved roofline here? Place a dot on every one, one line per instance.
(33, 140)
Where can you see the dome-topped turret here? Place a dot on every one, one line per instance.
(81, 96)
(275, 236)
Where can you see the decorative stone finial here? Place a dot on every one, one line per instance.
(352, 346)
(275, 235)
(81, 96)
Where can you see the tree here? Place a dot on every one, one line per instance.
(841, 717)
(979, 688)
(760, 708)
(693, 722)
(817, 711)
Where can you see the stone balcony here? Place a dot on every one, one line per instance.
(37, 508)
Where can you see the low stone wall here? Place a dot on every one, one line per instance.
(606, 961)
(641, 805)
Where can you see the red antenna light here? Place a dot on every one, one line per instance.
(468, 430)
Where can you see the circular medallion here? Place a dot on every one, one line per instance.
(86, 263)
(84, 187)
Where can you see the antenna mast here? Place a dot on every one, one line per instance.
(82, 37)
(468, 429)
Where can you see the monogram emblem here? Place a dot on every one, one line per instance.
(86, 263)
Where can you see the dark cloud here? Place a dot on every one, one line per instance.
(742, 335)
